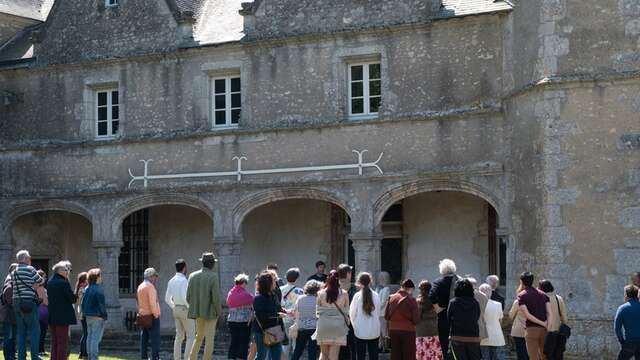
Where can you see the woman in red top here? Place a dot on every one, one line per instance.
(402, 315)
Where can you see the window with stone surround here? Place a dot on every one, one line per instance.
(365, 89)
(111, 3)
(226, 101)
(107, 113)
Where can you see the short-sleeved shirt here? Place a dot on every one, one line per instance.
(536, 303)
(23, 280)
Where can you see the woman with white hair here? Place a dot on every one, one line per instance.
(61, 311)
(240, 303)
(441, 292)
(492, 316)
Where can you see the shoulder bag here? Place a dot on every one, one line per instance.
(271, 336)
(565, 330)
(24, 306)
(144, 322)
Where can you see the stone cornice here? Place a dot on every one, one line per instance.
(266, 184)
(451, 114)
(569, 81)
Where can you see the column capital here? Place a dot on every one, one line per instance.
(366, 236)
(6, 247)
(227, 239)
(106, 244)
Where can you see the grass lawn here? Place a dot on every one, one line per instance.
(107, 356)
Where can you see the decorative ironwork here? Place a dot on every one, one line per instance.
(239, 172)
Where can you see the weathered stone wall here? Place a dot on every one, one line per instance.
(288, 233)
(277, 18)
(176, 232)
(79, 31)
(440, 225)
(55, 236)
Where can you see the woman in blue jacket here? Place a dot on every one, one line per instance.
(94, 309)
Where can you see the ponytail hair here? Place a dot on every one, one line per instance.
(364, 279)
(332, 287)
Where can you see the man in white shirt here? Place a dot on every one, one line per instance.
(176, 298)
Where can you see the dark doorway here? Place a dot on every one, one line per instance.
(41, 264)
(392, 258)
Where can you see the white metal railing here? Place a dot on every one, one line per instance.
(239, 172)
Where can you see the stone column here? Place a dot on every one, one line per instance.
(227, 249)
(7, 257)
(367, 251)
(107, 255)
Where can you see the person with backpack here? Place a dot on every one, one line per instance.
(8, 317)
(441, 293)
(290, 293)
(24, 280)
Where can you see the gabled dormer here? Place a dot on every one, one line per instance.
(86, 30)
(282, 18)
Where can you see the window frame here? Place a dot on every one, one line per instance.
(111, 3)
(366, 95)
(109, 91)
(228, 93)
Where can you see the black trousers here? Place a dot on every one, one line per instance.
(367, 346)
(349, 352)
(304, 341)
(630, 350)
(466, 350)
(521, 348)
(240, 338)
(443, 334)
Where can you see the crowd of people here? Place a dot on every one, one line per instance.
(330, 315)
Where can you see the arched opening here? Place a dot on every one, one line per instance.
(424, 228)
(157, 236)
(54, 235)
(294, 233)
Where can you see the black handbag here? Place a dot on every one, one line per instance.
(565, 330)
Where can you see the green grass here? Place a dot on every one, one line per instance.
(106, 356)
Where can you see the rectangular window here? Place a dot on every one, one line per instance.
(111, 3)
(365, 90)
(134, 254)
(227, 101)
(107, 113)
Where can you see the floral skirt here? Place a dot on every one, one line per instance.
(428, 348)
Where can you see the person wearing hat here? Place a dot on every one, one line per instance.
(205, 305)
(148, 304)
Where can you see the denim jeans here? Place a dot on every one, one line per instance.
(521, 348)
(153, 335)
(83, 339)
(9, 341)
(304, 341)
(27, 325)
(95, 329)
(489, 352)
(263, 352)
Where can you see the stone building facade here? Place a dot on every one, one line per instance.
(507, 136)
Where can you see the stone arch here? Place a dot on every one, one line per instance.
(254, 201)
(151, 200)
(402, 191)
(33, 206)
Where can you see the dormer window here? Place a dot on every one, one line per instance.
(110, 3)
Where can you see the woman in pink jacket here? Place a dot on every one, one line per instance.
(240, 303)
